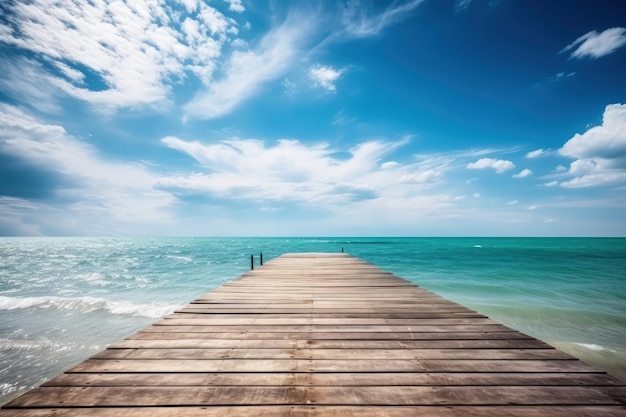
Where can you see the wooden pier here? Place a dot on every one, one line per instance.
(326, 335)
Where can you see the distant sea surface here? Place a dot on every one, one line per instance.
(64, 299)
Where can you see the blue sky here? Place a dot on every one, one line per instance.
(315, 118)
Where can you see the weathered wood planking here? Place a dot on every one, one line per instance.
(326, 335)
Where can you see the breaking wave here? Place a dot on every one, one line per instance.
(87, 304)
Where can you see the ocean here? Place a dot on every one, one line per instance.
(64, 299)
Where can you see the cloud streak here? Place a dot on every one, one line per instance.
(360, 22)
(246, 71)
(596, 44)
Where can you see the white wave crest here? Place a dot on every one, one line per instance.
(183, 259)
(591, 346)
(87, 304)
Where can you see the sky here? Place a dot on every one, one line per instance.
(312, 118)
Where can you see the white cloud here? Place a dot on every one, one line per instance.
(533, 207)
(512, 202)
(536, 153)
(607, 140)
(246, 71)
(325, 76)
(101, 194)
(600, 152)
(236, 6)
(25, 80)
(499, 165)
(359, 21)
(190, 5)
(389, 164)
(117, 54)
(250, 169)
(549, 220)
(551, 183)
(523, 173)
(597, 44)
(476, 195)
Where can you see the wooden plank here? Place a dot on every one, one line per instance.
(325, 411)
(176, 333)
(273, 395)
(204, 320)
(176, 326)
(184, 343)
(303, 365)
(334, 379)
(334, 354)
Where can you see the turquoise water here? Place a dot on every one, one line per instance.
(64, 299)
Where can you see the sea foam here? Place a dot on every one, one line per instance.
(87, 304)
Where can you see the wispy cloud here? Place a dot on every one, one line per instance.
(560, 76)
(28, 83)
(596, 44)
(460, 5)
(600, 152)
(360, 21)
(246, 71)
(325, 76)
(499, 165)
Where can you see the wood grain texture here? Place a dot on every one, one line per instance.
(326, 335)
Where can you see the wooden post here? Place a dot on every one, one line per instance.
(261, 258)
(251, 261)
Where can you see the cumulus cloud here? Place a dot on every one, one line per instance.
(117, 54)
(325, 76)
(247, 71)
(523, 173)
(600, 152)
(360, 21)
(499, 165)
(596, 44)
